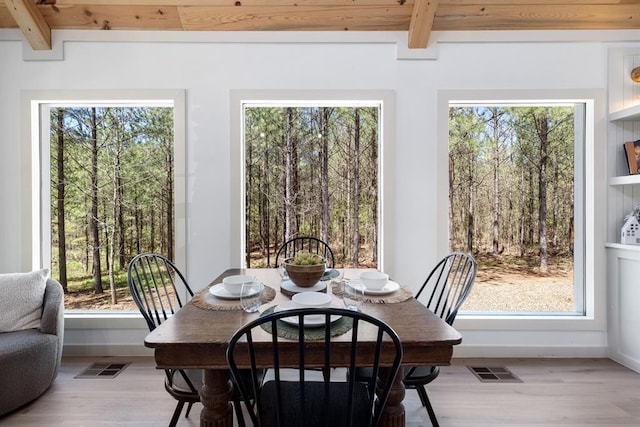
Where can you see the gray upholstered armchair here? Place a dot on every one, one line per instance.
(30, 358)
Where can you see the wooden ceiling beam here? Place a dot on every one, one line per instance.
(31, 22)
(421, 23)
(538, 17)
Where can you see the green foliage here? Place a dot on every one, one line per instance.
(306, 258)
(84, 283)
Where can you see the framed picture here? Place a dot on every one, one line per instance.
(632, 151)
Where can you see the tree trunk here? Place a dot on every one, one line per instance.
(162, 229)
(118, 220)
(374, 192)
(87, 239)
(152, 231)
(470, 205)
(530, 208)
(295, 177)
(247, 199)
(60, 189)
(556, 206)
(137, 221)
(169, 206)
(107, 238)
(263, 200)
(288, 172)
(496, 181)
(356, 189)
(95, 233)
(112, 245)
(117, 235)
(522, 212)
(543, 133)
(324, 174)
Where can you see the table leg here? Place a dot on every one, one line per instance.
(215, 396)
(393, 414)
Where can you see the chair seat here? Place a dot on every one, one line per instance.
(179, 383)
(195, 376)
(314, 414)
(420, 375)
(413, 376)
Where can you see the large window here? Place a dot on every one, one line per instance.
(517, 202)
(111, 176)
(312, 171)
(312, 163)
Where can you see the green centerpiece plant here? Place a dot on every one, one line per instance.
(305, 269)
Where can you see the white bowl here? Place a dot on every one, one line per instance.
(374, 280)
(233, 284)
(311, 299)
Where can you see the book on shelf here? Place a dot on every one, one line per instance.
(632, 152)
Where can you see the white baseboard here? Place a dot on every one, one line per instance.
(106, 350)
(470, 351)
(629, 362)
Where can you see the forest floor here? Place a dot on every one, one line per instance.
(88, 300)
(518, 285)
(502, 284)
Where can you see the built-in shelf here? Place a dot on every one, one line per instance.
(623, 195)
(629, 113)
(624, 180)
(635, 248)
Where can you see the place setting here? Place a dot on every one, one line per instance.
(313, 324)
(375, 287)
(234, 293)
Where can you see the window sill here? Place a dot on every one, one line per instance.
(79, 319)
(524, 322)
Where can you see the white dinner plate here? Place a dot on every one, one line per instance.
(221, 292)
(288, 285)
(309, 321)
(389, 288)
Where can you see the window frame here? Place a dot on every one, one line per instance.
(594, 296)
(36, 231)
(386, 161)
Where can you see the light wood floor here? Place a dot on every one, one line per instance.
(553, 392)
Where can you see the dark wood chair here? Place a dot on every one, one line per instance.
(322, 401)
(308, 244)
(443, 292)
(155, 284)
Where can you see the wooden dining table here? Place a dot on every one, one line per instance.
(196, 337)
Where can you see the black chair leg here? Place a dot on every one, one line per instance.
(238, 409)
(176, 414)
(188, 409)
(427, 404)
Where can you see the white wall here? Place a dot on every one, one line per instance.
(208, 71)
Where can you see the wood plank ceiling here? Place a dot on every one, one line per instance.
(36, 18)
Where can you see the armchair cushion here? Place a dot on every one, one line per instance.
(21, 299)
(30, 358)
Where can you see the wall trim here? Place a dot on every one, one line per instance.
(399, 38)
(99, 350)
(473, 351)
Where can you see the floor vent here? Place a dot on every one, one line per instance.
(103, 370)
(494, 374)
